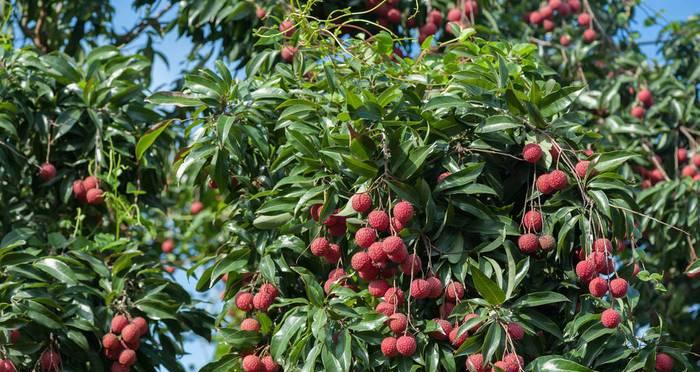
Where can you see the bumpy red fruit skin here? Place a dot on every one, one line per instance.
(475, 363)
(454, 291)
(618, 287)
(434, 17)
(535, 18)
(532, 220)
(167, 246)
(360, 261)
(532, 153)
(110, 341)
(399, 256)
(116, 367)
(558, 180)
(528, 243)
(90, 182)
(250, 325)
(682, 155)
(435, 287)
(141, 324)
(196, 207)
(389, 347)
(269, 289)
(457, 341)
(262, 301)
(333, 254)
(397, 323)
(547, 242)
(118, 324)
(287, 28)
(610, 318)
(7, 366)
(565, 40)
(385, 308)
(288, 52)
(392, 244)
(516, 331)
(454, 15)
(394, 296)
(544, 185)
(377, 288)
(50, 361)
(130, 333)
(589, 35)
(446, 329)
(645, 97)
(361, 202)
(584, 19)
(637, 112)
(513, 362)
(315, 211)
(370, 273)
(585, 270)
(500, 366)
(376, 253)
(406, 345)
(365, 236)
(689, 171)
(602, 245)
(378, 220)
(411, 265)
(582, 168)
(252, 363)
(47, 172)
(598, 287)
(319, 246)
(403, 211)
(244, 301)
(127, 357)
(664, 363)
(270, 364)
(79, 191)
(420, 288)
(94, 196)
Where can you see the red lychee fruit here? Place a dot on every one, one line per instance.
(368, 274)
(547, 242)
(589, 36)
(434, 17)
(403, 211)
(389, 347)
(385, 308)
(94, 196)
(394, 16)
(399, 256)
(397, 323)
(365, 236)
(469, 317)
(50, 361)
(618, 287)
(446, 309)
(315, 211)
(270, 364)
(516, 331)
(411, 265)
(528, 243)
(269, 289)
(167, 245)
(602, 245)
(689, 171)
(682, 155)
(79, 191)
(288, 52)
(320, 246)
(645, 97)
(376, 253)
(575, 5)
(446, 327)
(377, 288)
(558, 180)
(336, 273)
(7, 366)
(428, 29)
(696, 160)
(47, 172)
(454, 15)
(252, 363)
(514, 362)
(442, 177)
(457, 341)
(582, 168)
(435, 287)
(116, 367)
(110, 341)
(127, 357)
(454, 291)
(260, 12)
(118, 324)
(333, 254)
(361, 202)
(361, 262)
(141, 324)
(212, 184)
(250, 325)
(544, 185)
(664, 363)
(535, 18)
(546, 12)
(475, 363)
(584, 19)
(90, 182)
(565, 40)
(130, 334)
(406, 345)
(610, 318)
(637, 112)
(548, 25)
(15, 336)
(262, 301)
(532, 153)
(378, 220)
(287, 28)
(501, 366)
(397, 225)
(585, 270)
(598, 287)
(394, 296)
(196, 207)
(420, 288)
(471, 7)
(393, 245)
(532, 220)
(244, 301)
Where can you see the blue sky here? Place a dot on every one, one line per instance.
(176, 50)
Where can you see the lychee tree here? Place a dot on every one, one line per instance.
(422, 213)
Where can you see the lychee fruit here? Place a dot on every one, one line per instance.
(270, 364)
(469, 317)
(333, 254)
(269, 289)
(399, 256)
(532, 152)
(364, 237)
(378, 220)
(377, 288)
(389, 347)
(434, 17)
(585, 270)
(403, 211)
(90, 182)
(420, 288)
(547, 242)
(397, 323)
(130, 334)
(47, 172)
(250, 325)
(442, 177)
(393, 245)
(532, 220)
(664, 363)
(435, 287)
(244, 301)
(361, 262)
(645, 97)
(385, 308)
(516, 331)
(598, 287)
(446, 327)
(288, 52)
(682, 155)
(584, 19)
(370, 273)
(252, 363)
(514, 362)
(394, 16)
(602, 245)
(589, 36)
(79, 191)
(376, 253)
(565, 40)
(454, 291)
(141, 324)
(262, 301)
(548, 25)
(411, 265)
(406, 345)
(618, 287)
(394, 296)
(446, 309)
(696, 160)
(544, 185)
(260, 12)
(535, 18)
(315, 211)
(15, 336)
(582, 168)
(689, 171)
(94, 196)
(457, 341)
(361, 202)
(118, 324)
(454, 15)
(287, 28)
(638, 112)
(50, 361)
(528, 243)
(167, 245)
(320, 246)
(475, 363)
(558, 180)
(7, 366)
(110, 341)
(127, 357)
(575, 5)
(196, 207)
(610, 318)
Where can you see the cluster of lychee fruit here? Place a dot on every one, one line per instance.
(253, 363)
(547, 15)
(643, 102)
(88, 191)
(589, 270)
(121, 343)
(246, 301)
(529, 243)
(690, 166)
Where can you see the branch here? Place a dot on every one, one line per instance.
(138, 28)
(655, 161)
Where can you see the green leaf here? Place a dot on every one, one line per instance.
(612, 160)
(559, 101)
(271, 222)
(445, 102)
(174, 99)
(150, 136)
(540, 298)
(57, 269)
(563, 365)
(280, 340)
(693, 268)
(492, 341)
(487, 288)
(499, 123)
